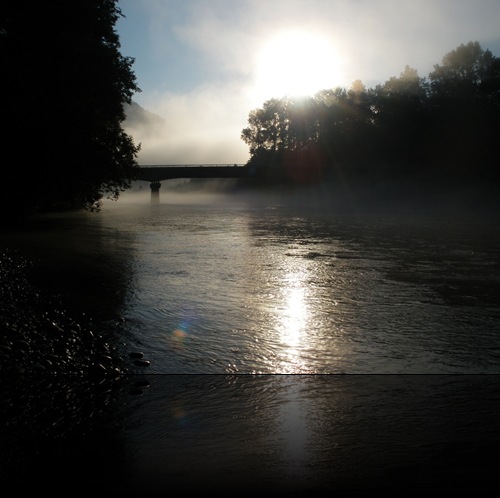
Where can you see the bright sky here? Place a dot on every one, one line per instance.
(203, 65)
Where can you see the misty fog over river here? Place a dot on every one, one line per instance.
(226, 283)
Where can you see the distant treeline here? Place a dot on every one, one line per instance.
(441, 130)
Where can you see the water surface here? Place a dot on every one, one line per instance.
(226, 284)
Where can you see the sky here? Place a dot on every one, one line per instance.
(203, 65)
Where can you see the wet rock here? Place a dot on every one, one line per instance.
(142, 383)
(142, 363)
(136, 354)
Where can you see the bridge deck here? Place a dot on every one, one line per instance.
(158, 173)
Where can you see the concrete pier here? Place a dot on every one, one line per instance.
(155, 191)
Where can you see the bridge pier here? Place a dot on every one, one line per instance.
(155, 191)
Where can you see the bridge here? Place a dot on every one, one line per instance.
(158, 173)
(155, 174)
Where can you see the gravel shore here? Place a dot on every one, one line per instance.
(61, 379)
(37, 335)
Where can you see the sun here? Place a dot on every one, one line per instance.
(296, 63)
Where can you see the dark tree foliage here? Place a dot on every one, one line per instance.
(64, 85)
(465, 107)
(438, 131)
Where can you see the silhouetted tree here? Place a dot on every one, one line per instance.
(347, 129)
(463, 72)
(465, 103)
(268, 127)
(401, 120)
(283, 139)
(64, 85)
(405, 131)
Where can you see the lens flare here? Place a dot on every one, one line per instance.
(179, 336)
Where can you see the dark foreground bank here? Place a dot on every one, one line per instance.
(39, 337)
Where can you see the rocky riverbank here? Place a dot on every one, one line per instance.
(37, 335)
(61, 387)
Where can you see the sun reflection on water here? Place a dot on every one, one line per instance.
(293, 317)
(292, 321)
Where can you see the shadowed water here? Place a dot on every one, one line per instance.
(286, 434)
(223, 286)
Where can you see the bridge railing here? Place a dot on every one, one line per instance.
(205, 165)
(157, 173)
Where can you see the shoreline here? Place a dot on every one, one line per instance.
(39, 337)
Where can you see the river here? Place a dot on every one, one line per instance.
(230, 284)
(214, 283)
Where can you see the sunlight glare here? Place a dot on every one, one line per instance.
(296, 63)
(293, 322)
(294, 316)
